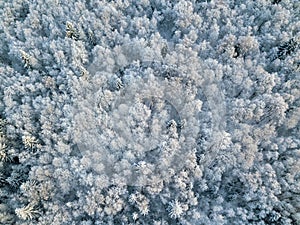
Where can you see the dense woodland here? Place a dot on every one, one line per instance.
(150, 112)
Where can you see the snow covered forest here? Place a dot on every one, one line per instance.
(153, 112)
